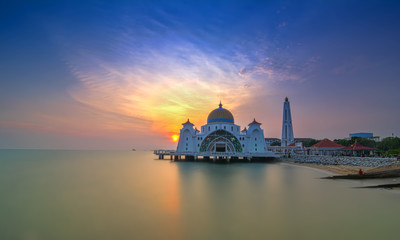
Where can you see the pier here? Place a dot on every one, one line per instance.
(226, 157)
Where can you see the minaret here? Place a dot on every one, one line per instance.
(287, 127)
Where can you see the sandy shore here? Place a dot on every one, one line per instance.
(334, 169)
(343, 169)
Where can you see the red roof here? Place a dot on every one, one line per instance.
(358, 146)
(292, 145)
(244, 130)
(327, 144)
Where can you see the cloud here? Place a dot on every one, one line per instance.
(281, 25)
(157, 87)
(279, 69)
(157, 73)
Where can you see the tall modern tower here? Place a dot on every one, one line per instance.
(287, 127)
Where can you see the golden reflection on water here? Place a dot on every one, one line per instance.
(172, 201)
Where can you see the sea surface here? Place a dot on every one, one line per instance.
(55, 194)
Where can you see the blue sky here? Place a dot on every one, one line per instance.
(116, 74)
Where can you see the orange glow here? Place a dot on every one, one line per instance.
(175, 137)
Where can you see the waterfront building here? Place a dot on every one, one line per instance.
(222, 137)
(325, 147)
(287, 127)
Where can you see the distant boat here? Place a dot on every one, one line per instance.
(133, 149)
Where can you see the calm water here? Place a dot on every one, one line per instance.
(129, 195)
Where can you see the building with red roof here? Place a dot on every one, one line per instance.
(358, 148)
(325, 147)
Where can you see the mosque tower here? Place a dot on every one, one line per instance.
(287, 127)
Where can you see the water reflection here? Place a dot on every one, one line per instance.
(129, 195)
(274, 201)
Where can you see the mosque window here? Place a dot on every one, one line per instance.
(243, 145)
(256, 149)
(208, 128)
(255, 139)
(198, 145)
(216, 127)
(186, 144)
(225, 127)
(232, 129)
(187, 138)
(256, 145)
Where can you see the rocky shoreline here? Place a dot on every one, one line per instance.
(347, 167)
(342, 160)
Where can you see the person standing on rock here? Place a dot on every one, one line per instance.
(361, 172)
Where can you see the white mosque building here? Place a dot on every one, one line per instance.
(222, 137)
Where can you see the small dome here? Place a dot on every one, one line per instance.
(220, 115)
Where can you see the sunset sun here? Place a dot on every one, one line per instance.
(175, 137)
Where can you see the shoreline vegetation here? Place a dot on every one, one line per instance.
(384, 168)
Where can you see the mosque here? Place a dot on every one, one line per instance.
(222, 137)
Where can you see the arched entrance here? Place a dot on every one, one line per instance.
(220, 145)
(221, 141)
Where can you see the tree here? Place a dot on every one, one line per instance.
(344, 142)
(389, 143)
(394, 152)
(309, 143)
(365, 142)
(276, 143)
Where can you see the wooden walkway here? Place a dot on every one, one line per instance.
(214, 156)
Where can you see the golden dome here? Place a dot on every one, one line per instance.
(220, 115)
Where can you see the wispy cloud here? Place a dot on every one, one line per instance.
(154, 79)
(169, 85)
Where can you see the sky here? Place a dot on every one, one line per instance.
(127, 74)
